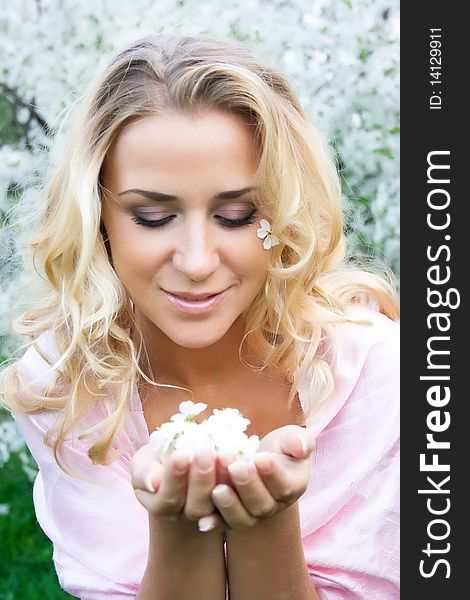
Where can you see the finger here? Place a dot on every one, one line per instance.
(230, 508)
(224, 459)
(213, 522)
(146, 470)
(285, 482)
(255, 496)
(201, 481)
(153, 478)
(171, 495)
(297, 442)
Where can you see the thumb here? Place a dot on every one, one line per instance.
(211, 522)
(146, 470)
(297, 442)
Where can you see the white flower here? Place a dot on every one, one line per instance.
(249, 446)
(166, 436)
(264, 233)
(223, 431)
(189, 410)
(228, 418)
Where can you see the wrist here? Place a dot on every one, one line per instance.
(179, 548)
(285, 522)
(182, 528)
(267, 561)
(174, 544)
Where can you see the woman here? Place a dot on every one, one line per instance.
(192, 249)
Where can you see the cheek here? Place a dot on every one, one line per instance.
(124, 247)
(131, 252)
(253, 260)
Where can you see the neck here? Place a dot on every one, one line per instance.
(194, 368)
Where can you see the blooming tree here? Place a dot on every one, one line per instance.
(340, 55)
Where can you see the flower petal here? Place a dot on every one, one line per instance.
(262, 233)
(274, 240)
(265, 224)
(267, 242)
(189, 408)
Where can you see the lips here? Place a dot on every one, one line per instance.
(195, 304)
(190, 296)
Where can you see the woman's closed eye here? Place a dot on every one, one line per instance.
(150, 220)
(228, 218)
(236, 219)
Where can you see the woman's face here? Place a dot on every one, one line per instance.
(180, 220)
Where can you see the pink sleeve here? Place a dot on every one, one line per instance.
(350, 511)
(96, 555)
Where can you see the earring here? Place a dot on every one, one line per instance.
(265, 233)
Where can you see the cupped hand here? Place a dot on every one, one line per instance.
(175, 489)
(259, 489)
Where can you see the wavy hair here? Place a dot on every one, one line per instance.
(309, 285)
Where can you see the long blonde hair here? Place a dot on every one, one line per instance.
(308, 288)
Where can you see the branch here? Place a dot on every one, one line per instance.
(18, 101)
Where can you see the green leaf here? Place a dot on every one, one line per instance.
(384, 151)
(364, 53)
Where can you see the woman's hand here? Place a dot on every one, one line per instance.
(174, 490)
(276, 478)
(220, 492)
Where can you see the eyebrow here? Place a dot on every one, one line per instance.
(160, 197)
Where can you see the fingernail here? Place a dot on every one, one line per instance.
(303, 443)
(239, 473)
(180, 462)
(264, 464)
(226, 459)
(222, 495)
(148, 483)
(205, 524)
(204, 460)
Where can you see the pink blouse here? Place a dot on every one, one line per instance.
(349, 513)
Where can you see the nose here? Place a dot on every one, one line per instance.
(196, 253)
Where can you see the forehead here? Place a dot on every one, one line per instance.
(176, 146)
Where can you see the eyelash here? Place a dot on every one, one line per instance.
(223, 221)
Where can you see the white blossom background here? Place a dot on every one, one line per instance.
(342, 56)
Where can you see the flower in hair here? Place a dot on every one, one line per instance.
(223, 431)
(265, 233)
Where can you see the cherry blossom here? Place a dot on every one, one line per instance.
(265, 233)
(222, 432)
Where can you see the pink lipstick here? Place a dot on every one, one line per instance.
(195, 306)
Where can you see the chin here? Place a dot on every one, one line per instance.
(195, 339)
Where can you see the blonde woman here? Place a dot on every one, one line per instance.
(191, 247)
